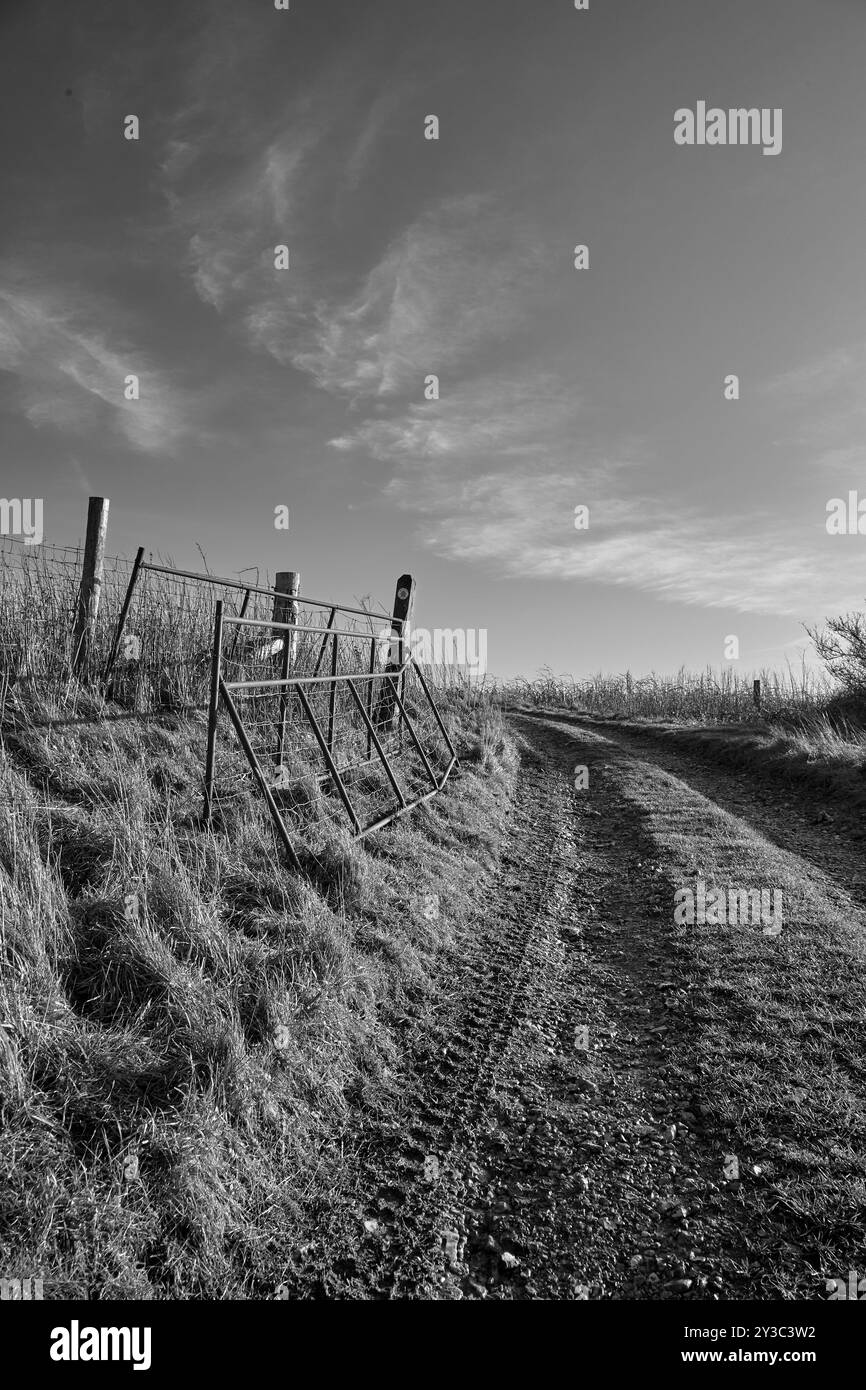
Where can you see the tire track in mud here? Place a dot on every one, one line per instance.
(549, 1141)
(397, 1195)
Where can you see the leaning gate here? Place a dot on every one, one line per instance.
(303, 695)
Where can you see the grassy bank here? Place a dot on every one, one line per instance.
(188, 1028)
(185, 1023)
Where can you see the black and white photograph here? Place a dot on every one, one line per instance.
(432, 672)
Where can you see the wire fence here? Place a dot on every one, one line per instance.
(39, 594)
(161, 655)
(317, 697)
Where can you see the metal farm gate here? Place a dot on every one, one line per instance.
(309, 697)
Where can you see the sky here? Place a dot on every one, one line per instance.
(559, 387)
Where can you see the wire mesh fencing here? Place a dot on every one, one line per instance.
(40, 587)
(160, 657)
(306, 697)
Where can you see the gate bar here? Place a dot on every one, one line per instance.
(297, 627)
(258, 589)
(444, 732)
(309, 680)
(386, 820)
(370, 694)
(324, 646)
(213, 710)
(254, 763)
(332, 698)
(412, 733)
(326, 754)
(371, 734)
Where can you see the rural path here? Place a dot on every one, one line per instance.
(570, 1111)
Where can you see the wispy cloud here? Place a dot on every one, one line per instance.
(448, 285)
(494, 472)
(819, 377)
(70, 377)
(522, 526)
(460, 275)
(506, 416)
(825, 404)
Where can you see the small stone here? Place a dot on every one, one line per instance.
(510, 1261)
(679, 1285)
(370, 1226)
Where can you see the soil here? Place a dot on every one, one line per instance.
(552, 1135)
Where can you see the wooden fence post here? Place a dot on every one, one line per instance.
(287, 585)
(404, 603)
(91, 581)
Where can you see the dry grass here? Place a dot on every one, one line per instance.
(808, 730)
(185, 1024)
(688, 697)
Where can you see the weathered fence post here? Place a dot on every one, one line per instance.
(287, 585)
(756, 693)
(404, 603)
(91, 582)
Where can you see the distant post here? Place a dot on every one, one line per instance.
(756, 693)
(91, 582)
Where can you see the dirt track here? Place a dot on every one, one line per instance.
(522, 1163)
